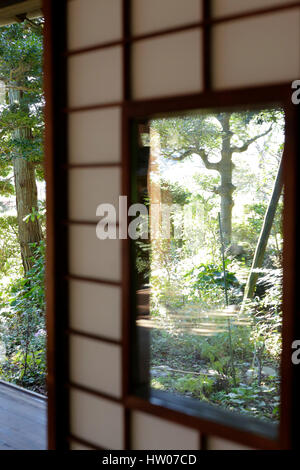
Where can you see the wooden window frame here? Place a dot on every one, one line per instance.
(57, 275)
(239, 100)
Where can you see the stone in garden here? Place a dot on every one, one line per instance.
(269, 371)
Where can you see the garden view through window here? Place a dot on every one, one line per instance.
(209, 269)
(22, 206)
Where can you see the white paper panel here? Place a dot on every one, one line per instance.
(257, 50)
(91, 257)
(93, 22)
(216, 443)
(95, 136)
(95, 77)
(231, 7)
(89, 187)
(96, 365)
(96, 420)
(169, 65)
(151, 433)
(155, 15)
(95, 308)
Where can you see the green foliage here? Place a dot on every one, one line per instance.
(181, 137)
(252, 399)
(23, 326)
(21, 71)
(9, 246)
(179, 195)
(36, 214)
(201, 348)
(266, 313)
(198, 387)
(200, 368)
(206, 281)
(249, 228)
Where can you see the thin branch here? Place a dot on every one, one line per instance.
(201, 153)
(19, 88)
(184, 155)
(246, 144)
(209, 165)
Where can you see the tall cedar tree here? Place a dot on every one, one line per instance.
(21, 125)
(215, 138)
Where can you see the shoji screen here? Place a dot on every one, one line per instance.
(121, 54)
(95, 94)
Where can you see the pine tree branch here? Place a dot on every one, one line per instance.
(201, 153)
(181, 157)
(209, 165)
(246, 144)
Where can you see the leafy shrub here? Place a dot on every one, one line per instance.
(9, 245)
(197, 385)
(206, 282)
(251, 399)
(23, 326)
(266, 313)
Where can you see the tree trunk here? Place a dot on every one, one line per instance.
(225, 168)
(26, 195)
(264, 236)
(26, 199)
(226, 189)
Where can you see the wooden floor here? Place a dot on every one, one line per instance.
(23, 421)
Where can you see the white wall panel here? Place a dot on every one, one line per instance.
(96, 420)
(257, 50)
(95, 136)
(149, 432)
(95, 309)
(90, 187)
(95, 77)
(154, 15)
(92, 22)
(169, 65)
(232, 7)
(216, 443)
(91, 257)
(96, 365)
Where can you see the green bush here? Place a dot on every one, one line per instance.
(23, 330)
(206, 283)
(9, 246)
